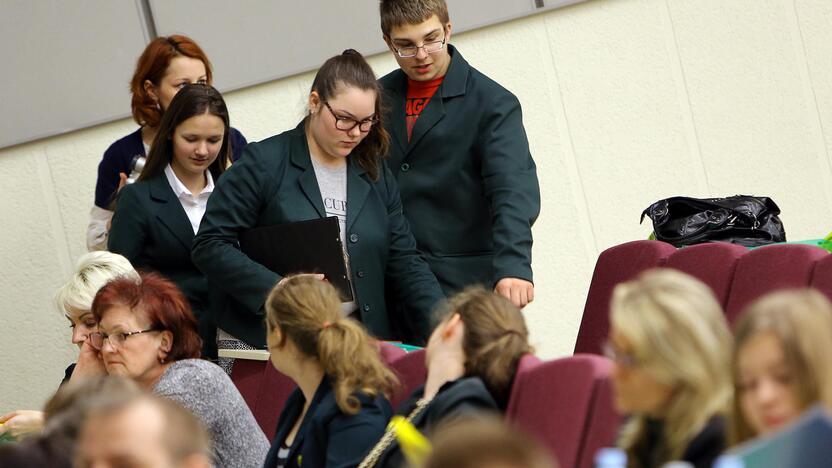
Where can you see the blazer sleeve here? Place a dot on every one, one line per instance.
(129, 228)
(352, 437)
(511, 187)
(233, 208)
(414, 282)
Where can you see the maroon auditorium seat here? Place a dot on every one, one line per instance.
(247, 376)
(274, 392)
(615, 265)
(603, 426)
(822, 276)
(712, 263)
(412, 373)
(770, 268)
(554, 403)
(526, 364)
(390, 352)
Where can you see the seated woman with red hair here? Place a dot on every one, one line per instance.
(148, 333)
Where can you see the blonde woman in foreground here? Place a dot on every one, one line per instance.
(782, 361)
(670, 346)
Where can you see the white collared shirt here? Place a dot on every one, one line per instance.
(194, 206)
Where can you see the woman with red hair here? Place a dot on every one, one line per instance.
(166, 65)
(146, 332)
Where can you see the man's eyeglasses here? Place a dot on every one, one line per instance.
(619, 357)
(347, 124)
(428, 47)
(116, 340)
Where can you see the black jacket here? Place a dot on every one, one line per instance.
(327, 437)
(468, 181)
(701, 452)
(462, 397)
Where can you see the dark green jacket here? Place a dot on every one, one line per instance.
(468, 182)
(150, 228)
(274, 183)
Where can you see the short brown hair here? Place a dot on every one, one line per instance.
(162, 303)
(152, 65)
(308, 312)
(474, 442)
(495, 338)
(802, 322)
(395, 13)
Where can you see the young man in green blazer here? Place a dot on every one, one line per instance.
(461, 157)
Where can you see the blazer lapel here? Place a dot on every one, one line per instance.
(169, 211)
(307, 180)
(454, 84)
(396, 96)
(357, 190)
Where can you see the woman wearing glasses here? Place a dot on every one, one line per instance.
(330, 165)
(147, 333)
(671, 349)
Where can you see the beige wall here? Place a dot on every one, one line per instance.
(625, 101)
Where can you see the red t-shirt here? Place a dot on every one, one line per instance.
(418, 96)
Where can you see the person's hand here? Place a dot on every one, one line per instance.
(89, 363)
(122, 181)
(317, 276)
(519, 291)
(21, 423)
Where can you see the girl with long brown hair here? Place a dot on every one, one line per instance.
(167, 64)
(331, 165)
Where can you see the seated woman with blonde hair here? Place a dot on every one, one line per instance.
(669, 343)
(340, 407)
(782, 361)
(92, 271)
(471, 360)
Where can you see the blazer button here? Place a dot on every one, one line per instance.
(405, 167)
(366, 307)
(353, 238)
(360, 273)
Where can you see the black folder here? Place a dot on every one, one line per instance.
(312, 246)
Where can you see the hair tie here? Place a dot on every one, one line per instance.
(326, 325)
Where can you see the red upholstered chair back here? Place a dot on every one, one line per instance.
(526, 364)
(247, 376)
(274, 392)
(822, 276)
(554, 401)
(603, 426)
(412, 373)
(390, 352)
(767, 269)
(713, 263)
(615, 265)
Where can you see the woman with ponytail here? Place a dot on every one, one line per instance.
(471, 360)
(330, 165)
(340, 407)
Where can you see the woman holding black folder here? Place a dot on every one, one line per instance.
(157, 217)
(331, 164)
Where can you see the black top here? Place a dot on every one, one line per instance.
(462, 397)
(327, 437)
(701, 452)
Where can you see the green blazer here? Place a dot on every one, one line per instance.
(468, 182)
(274, 183)
(150, 228)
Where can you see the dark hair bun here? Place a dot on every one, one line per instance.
(351, 52)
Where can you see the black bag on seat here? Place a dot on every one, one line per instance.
(741, 219)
